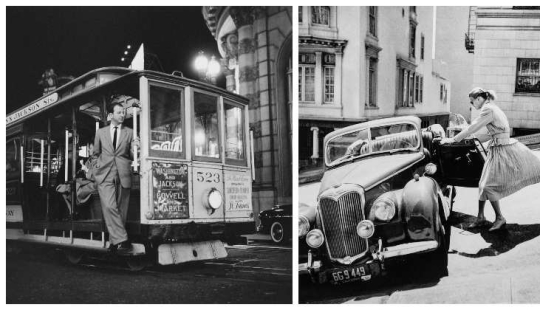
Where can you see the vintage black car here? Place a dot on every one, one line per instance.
(386, 195)
(277, 222)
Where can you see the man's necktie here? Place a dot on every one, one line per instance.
(114, 139)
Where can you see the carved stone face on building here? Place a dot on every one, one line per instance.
(230, 45)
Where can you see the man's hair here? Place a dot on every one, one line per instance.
(110, 106)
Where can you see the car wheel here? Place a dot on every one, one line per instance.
(137, 263)
(439, 258)
(277, 232)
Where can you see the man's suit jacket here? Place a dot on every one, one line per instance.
(107, 157)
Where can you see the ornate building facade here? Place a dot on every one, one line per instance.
(362, 63)
(256, 49)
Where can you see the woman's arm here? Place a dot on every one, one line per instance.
(485, 117)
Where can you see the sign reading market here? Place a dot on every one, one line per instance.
(32, 108)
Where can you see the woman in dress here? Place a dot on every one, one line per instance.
(510, 165)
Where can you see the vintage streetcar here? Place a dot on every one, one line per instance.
(191, 177)
(386, 196)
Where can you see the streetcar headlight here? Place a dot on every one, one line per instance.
(384, 207)
(365, 229)
(315, 238)
(212, 199)
(215, 199)
(430, 169)
(303, 226)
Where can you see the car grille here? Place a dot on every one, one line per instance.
(340, 219)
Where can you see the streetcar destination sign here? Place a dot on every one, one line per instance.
(32, 108)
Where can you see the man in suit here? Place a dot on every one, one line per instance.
(113, 150)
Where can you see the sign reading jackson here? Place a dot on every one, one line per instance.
(32, 108)
(170, 187)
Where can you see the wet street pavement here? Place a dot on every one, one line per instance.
(483, 267)
(258, 273)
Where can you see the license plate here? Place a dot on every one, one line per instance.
(356, 273)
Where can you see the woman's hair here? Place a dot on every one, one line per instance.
(479, 92)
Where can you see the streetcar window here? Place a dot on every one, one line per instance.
(206, 126)
(13, 166)
(234, 132)
(166, 122)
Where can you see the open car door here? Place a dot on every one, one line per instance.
(460, 163)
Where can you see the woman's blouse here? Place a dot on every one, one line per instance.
(494, 119)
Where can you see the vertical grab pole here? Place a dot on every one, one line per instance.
(252, 154)
(22, 164)
(41, 163)
(66, 157)
(135, 151)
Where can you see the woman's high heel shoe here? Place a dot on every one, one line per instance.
(480, 222)
(498, 224)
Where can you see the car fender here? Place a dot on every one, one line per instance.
(420, 205)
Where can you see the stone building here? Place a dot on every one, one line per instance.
(506, 46)
(362, 63)
(256, 49)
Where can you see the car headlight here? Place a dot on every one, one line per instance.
(430, 169)
(212, 199)
(315, 238)
(365, 229)
(303, 226)
(384, 207)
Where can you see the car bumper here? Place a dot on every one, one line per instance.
(319, 273)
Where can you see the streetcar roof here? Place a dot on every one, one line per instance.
(75, 88)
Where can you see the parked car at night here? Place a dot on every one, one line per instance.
(277, 222)
(386, 194)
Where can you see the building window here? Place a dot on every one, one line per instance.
(300, 13)
(320, 15)
(329, 63)
(306, 83)
(328, 84)
(412, 39)
(373, 20)
(411, 88)
(306, 77)
(417, 89)
(422, 44)
(528, 75)
(372, 82)
(443, 93)
(421, 89)
(406, 88)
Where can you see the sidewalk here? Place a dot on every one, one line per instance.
(517, 286)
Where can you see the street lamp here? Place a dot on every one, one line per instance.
(208, 70)
(125, 56)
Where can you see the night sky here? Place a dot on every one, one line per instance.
(76, 40)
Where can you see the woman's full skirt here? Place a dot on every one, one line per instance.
(508, 168)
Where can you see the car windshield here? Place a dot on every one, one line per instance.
(365, 141)
(457, 120)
